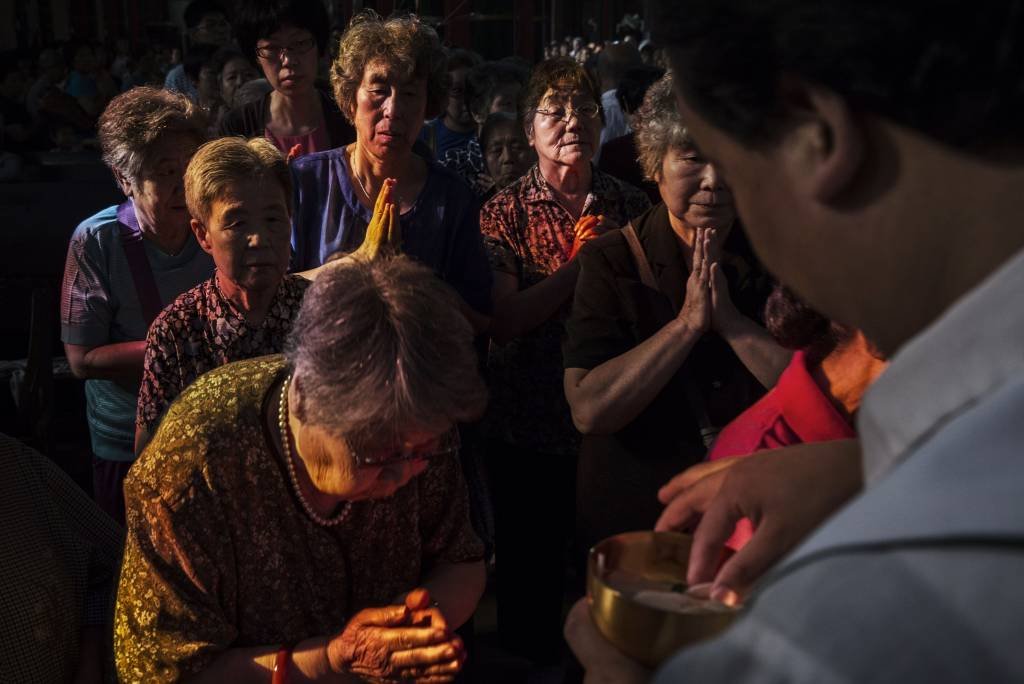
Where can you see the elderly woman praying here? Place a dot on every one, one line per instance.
(306, 514)
(389, 76)
(664, 346)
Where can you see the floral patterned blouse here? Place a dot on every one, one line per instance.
(528, 234)
(202, 330)
(220, 553)
(468, 163)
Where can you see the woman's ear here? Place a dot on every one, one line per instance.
(202, 236)
(826, 145)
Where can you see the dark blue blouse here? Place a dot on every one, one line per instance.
(442, 230)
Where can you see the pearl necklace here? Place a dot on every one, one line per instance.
(282, 421)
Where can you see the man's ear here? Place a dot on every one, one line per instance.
(202, 236)
(826, 145)
(123, 183)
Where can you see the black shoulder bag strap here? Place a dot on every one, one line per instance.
(138, 263)
(694, 400)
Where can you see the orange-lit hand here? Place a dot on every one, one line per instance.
(384, 232)
(297, 150)
(409, 642)
(585, 230)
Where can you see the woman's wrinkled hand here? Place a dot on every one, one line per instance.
(696, 311)
(409, 642)
(384, 233)
(723, 312)
(585, 230)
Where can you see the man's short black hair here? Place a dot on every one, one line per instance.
(260, 18)
(951, 72)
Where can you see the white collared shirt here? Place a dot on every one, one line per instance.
(966, 355)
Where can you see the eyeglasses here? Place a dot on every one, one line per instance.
(277, 52)
(590, 110)
(444, 445)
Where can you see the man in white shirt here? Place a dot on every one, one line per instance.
(880, 176)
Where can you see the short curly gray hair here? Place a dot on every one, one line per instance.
(133, 122)
(381, 347)
(404, 43)
(658, 127)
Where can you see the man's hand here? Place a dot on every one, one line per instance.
(604, 664)
(786, 493)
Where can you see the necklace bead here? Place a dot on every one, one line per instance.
(282, 422)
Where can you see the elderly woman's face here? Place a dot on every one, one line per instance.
(248, 234)
(507, 154)
(389, 110)
(694, 191)
(159, 191)
(288, 58)
(335, 471)
(571, 142)
(236, 72)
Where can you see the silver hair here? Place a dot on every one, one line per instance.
(381, 348)
(136, 119)
(658, 127)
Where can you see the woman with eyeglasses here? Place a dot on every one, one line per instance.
(304, 517)
(287, 38)
(533, 230)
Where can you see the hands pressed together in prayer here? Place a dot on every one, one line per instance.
(407, 642)
(384, 232)
(707, 305)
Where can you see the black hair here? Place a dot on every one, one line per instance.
(899, 60)
(196, 58)
(260, 18)
(224, 55)
(493, 121)
(462, 59)
(794, 325)
(197, 9)
(483, 81)
(634, 85)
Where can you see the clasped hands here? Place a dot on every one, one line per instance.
(707, 304)
(399, 643)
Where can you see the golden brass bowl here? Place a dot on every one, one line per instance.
(641, 631)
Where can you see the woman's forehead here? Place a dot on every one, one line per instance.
(564, 94)
(380, 70)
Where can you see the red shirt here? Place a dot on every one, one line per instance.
(795, 411)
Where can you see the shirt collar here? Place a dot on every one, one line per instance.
(808, 411)
(536, 189)
(967, 354)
